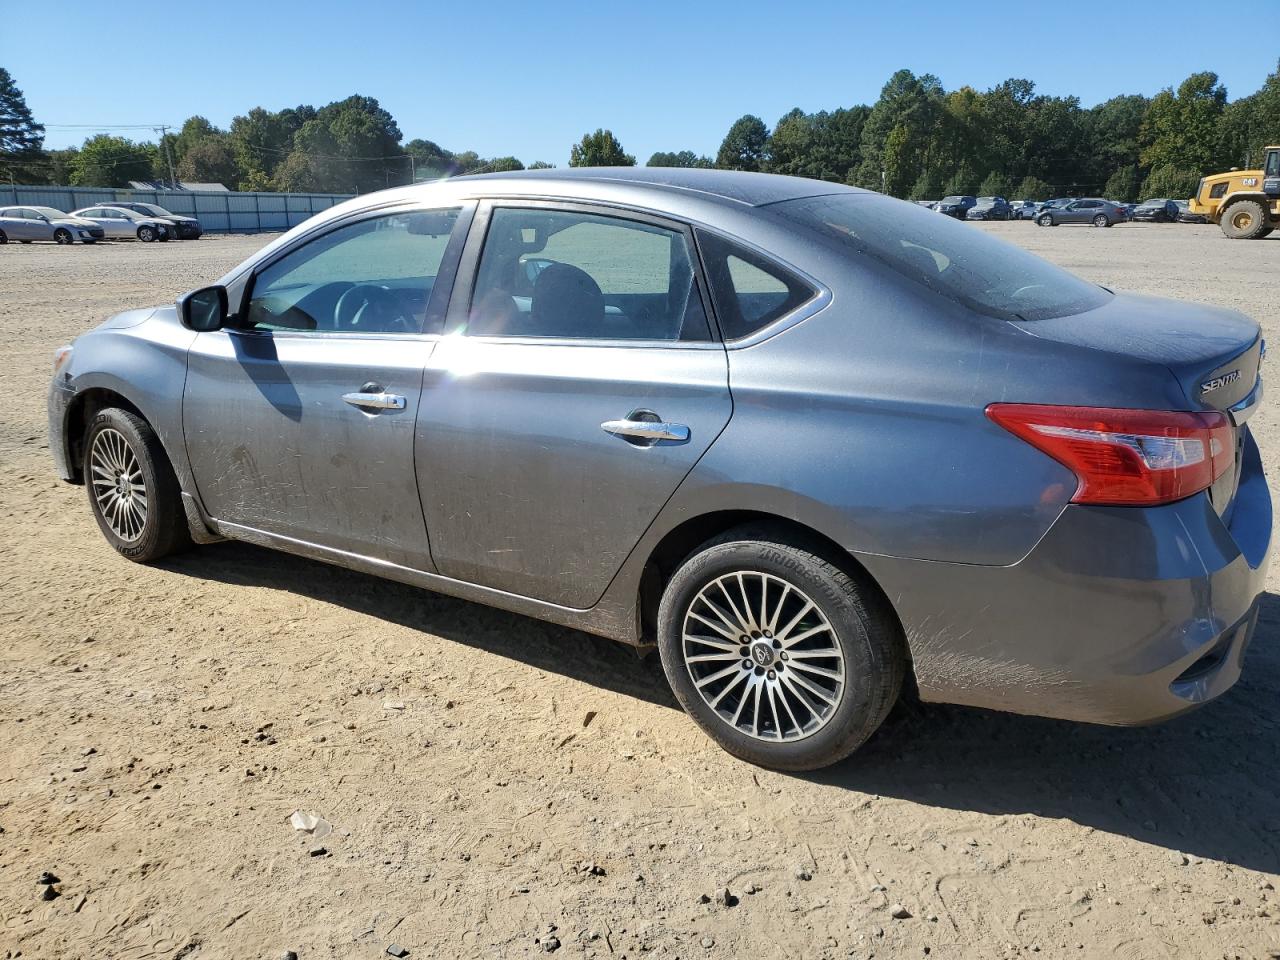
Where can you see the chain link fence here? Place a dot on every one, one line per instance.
(217, 212)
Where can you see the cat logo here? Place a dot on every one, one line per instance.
(1249, 181)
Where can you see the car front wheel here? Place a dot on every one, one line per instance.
(779, 655)
(132, 488)
(1045, 221)
(146, 234)
(62, 236)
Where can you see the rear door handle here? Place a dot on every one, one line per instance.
(375, 401)
(654, 430)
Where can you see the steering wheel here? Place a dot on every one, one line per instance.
(371, 308)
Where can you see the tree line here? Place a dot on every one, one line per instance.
(917, 141)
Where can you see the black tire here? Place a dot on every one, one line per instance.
(24, 241)
(3, 237)
(861, 625)
(163, 238)
(1245, 220)
(146, 234)
(1101, 220)
(62, 237)
(164, 528)
(1266, 233)
(1045, 221)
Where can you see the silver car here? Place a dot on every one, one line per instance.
(121, 224)
(804, 439)
(28, 224)
(184, 227)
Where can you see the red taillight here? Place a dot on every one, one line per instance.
(1126, 457)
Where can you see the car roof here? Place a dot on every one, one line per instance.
(751, 189)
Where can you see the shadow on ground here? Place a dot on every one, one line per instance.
(1205, 784)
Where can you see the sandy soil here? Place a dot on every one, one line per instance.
(538, 790)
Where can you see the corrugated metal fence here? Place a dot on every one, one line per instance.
(217, 212)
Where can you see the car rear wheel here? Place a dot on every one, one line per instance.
(780, 656)
(1245, 220)
(63, 236)
(1045, 221)
(3, 237)
(146, 234)
(1101, 220)
(132, 489)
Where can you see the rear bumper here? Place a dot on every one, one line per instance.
(1120, 615)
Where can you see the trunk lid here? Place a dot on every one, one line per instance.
(1213, 353)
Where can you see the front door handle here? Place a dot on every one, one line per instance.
(375, 401)
(652, 430)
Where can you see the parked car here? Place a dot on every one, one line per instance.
(121, 224)
(1100, 213)
(1156, 211)
(989, 208)
(1023, 209)
(956, 206)
(185, 228)
(718, 412)
(1187, 215)
(28, 224)
(1124, 208)
(927, 204)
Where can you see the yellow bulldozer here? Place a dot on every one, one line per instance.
(1244, 203)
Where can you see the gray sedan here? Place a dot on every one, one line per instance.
(122, 224)
(1099, 213)
(28, 224)
(806, 440)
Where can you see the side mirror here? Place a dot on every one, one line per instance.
(203, 310)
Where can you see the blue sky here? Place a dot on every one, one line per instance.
(529, 78)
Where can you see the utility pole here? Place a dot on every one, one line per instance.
(413, 170)
(164, 139)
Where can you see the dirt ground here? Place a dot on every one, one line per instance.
(538, 791)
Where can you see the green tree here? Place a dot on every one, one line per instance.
(962, 183)
(1175, 183)
(1033, 188)
(262, 139)
(210, 160)
(541, 165)
(351, 145)
(1181, 128)
(502, 165)
(600, 149)
(743, 147)
(682, 158)
(1113, 130)
(1122, 185)
(430, 160)
(107, 161)
(995, 185)
(21, 138)
(928, 187)
(909, 110)
(1250, 124)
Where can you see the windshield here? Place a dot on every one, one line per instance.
(953, 199)
(1154, 203)
(955, 261)
(155, 211)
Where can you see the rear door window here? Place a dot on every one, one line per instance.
(749, 290)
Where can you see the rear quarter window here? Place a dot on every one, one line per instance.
(749, 290)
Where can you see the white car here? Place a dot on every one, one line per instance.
(25, 224)
(121, 224)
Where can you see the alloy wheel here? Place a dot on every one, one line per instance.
(118, 487)
(763, 656)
